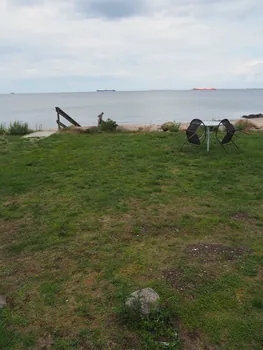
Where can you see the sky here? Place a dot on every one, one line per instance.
(84, 45)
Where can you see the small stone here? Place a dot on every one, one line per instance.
(145, 300)
(2, 301)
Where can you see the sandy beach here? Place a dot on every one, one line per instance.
(250, 124)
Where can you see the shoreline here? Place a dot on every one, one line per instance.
(250, 124)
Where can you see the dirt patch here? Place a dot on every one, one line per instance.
(181, 281)
(190, 339)
(175, 171)
(207, 252)
(240, 216)
(91, 280)
(193, 340)
(44, 343)
(77, 130)
(153, 230)
(176, 278)
(9, 230)
(11, 202)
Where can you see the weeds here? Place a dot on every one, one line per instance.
(3, 129)
(108, 125)
(241, 125)
(18, 128)
(157, 330)
(6, 336)
(175, 127)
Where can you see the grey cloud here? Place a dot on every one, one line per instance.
(109, 9)
(118, 9)
(112, 9)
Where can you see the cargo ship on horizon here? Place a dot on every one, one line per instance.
(106, 90)
(204, 88)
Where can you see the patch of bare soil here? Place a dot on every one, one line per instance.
(154, 230)
(207, 252)
(193, 340)
(181, 282)
(240, 216)
(9, 230)
(203, 258)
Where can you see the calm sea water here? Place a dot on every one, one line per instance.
(130, 107)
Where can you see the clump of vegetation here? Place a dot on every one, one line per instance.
(258, 303)
(3, 129)
(245, 125)
(156, 331)
(15, 128)
(18, 128)
(175, 127)
(108, 125)
(6, 336)
(241, 126)
(3, 144)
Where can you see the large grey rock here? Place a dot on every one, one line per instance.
(167, 125)
(145, 300)
(2, 301)
(253, 116)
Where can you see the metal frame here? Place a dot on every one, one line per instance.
(202, 124)
(231, 141)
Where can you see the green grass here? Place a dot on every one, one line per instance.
(87, 219)
(5, 335)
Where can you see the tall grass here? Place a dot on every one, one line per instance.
(18, 128)
(175, 127)
(15, 128)
(241, 125)
(3, 129)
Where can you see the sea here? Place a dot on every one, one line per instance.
(137, 107)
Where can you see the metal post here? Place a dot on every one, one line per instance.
(58, 120)
(208, 138)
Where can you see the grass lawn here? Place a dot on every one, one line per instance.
(87, 219)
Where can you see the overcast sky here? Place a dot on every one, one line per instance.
(83, 45)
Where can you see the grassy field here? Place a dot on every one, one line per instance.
(87, 219)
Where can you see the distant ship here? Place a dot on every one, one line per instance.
(106, 90)
(204, 89)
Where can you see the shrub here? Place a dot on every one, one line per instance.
(3, 129)
(240, 126)
(175, 127)
(108, 125)
(244, 125)
(157, 330)
(18, 128)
